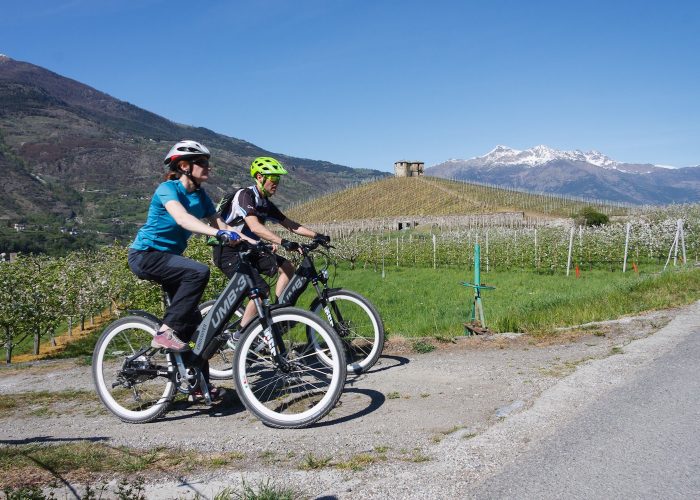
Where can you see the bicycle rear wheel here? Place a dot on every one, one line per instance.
(358, 324)
(133, 380)
(300, 389)
(221, 363)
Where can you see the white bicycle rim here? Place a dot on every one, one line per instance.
(106, 396)
(354, 366)
(245, 346)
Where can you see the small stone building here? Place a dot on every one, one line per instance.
(408, 168)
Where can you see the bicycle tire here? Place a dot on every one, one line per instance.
(303, 393)
(221, 363)
(361, 328)
(132, 379)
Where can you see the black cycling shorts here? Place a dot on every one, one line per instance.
(227, 259)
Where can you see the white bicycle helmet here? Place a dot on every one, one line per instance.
(185, 149)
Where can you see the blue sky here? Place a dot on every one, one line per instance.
(365, 83)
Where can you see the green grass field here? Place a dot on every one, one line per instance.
(427, 302)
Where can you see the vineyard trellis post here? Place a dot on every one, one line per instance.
(680, 237)
(571, 246)
(434, 252)
(397, 251)
(627, 241)
(681, 233)
(487, 251)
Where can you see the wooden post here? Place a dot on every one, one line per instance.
(37, 339)
(487, 252)
(8, 345)
(674, 246)
(434, 253)
(682, 233)
(571, 245)
(627, 241)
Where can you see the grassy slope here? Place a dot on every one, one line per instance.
(431, 196)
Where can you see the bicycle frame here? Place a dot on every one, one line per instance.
(226, 303)
(304, 274)
(240, 286)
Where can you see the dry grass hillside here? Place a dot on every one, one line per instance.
(431, 196)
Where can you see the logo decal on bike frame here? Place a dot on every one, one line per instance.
(294, 285)
(227, 305)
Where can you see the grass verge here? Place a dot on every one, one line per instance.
(47, 403)
(84, 462)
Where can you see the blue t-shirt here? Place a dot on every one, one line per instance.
(161, 232)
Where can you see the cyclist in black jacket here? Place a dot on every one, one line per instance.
(250, 209)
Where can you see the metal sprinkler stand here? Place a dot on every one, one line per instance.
(477, 326)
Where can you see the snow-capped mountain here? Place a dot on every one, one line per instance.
(540, 155)
(589, 174)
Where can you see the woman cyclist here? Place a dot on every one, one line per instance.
(156, 253)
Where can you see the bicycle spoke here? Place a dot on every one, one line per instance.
(359, 326)
(293, 388)
(132, 379)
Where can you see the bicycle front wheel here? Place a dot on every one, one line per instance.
(133, 380)
(221, 363)
(358, 324)
(294, 389)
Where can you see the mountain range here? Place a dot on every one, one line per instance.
(575, 173)
(70, 151)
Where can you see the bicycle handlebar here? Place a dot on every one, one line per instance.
(308, 247)
(261, 246)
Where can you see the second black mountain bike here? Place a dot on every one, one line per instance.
(353, 317)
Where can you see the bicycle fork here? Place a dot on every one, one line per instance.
(325, 303)
(271, 336)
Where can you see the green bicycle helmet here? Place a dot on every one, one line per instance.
(266, 165)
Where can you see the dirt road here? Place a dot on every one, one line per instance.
(415, 425)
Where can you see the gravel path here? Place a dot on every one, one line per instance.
(416, 426)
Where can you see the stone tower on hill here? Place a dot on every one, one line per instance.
(408, 168)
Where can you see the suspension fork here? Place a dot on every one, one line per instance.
(271, 333)
(325, 303)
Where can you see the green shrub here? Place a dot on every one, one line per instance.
(589, 216)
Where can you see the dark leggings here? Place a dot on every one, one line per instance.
(227, 259)
(183, 279)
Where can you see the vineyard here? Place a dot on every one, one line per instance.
(431, 196)
(545, 249)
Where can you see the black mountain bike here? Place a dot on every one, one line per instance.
(353, 317)
(278, 373)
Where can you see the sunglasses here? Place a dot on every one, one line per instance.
(202, 162)
(273, 178)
